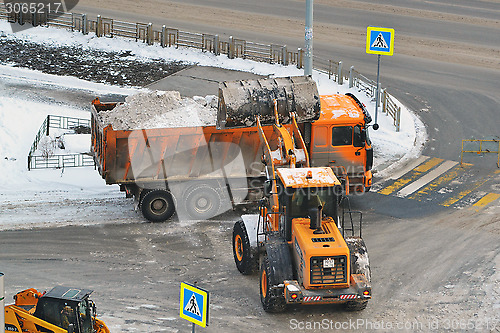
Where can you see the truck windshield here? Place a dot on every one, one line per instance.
(342, 136)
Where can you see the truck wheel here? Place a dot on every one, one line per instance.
(202, 202)
(243, 258)
(157, 205)
(272, 297)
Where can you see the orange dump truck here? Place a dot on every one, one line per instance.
(203, 171)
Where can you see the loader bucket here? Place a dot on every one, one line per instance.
(240, 102)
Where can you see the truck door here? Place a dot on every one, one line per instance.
(320, 146)
(342, 150)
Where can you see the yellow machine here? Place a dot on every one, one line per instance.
(298, 236)
(61, 310)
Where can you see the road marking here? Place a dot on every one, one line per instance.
(409, 167)
(488, 198)
(417, 172)
(446, 178)
(462, 194)
(426, 179)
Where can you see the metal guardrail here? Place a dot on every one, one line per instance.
(362, 83)
(390, 108)
(58, 161)
(66, 122)
(43, 131)
(234, 48)
(480, 147)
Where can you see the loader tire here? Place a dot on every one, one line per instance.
(157, 205)
(202, 202)
(245, 261)
(356, 305)
(271, 296)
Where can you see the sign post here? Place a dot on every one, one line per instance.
(194, 304)
(308, 55)
(2, 303)
(379, 41)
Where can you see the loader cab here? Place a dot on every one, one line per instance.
(68, 308)
(299, 201)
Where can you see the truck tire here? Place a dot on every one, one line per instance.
(245, 261)
(271, 296)
(359, 265)
(157, 205)
(202, 202)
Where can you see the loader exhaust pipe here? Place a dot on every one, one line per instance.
(315, 215)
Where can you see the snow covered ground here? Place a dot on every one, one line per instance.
(21, 115)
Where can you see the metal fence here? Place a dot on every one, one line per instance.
(391, 109)
(58, 161)
(3, 12)
(362, 83)
(66, 122)
(481, 147)
(233, 48)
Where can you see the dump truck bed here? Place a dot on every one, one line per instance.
(149, 155)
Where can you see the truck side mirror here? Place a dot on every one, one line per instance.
(268, 188)
(71, 328)
(363, 135)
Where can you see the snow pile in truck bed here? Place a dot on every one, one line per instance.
(159, 109)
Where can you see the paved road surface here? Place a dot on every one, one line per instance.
(441, 269)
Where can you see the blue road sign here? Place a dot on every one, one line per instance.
(380, 41)
(194, 304)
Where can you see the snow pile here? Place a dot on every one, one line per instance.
(159, 109)
(61, 142)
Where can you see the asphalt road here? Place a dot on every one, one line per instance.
(439, 272)
(446, 52)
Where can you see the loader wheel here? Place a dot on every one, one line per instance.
(356, 305)
(243, 258)
(157, 205)
(272, 297)
(202, 202)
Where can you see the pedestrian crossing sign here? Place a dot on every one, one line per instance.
(380, 41)
(194, 304)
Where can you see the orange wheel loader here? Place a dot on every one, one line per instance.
(61, 310)
(307, 253)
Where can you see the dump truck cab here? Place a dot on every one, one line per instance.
(62, 309)
(339, 139)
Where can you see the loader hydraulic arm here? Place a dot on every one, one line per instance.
(22, 319)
